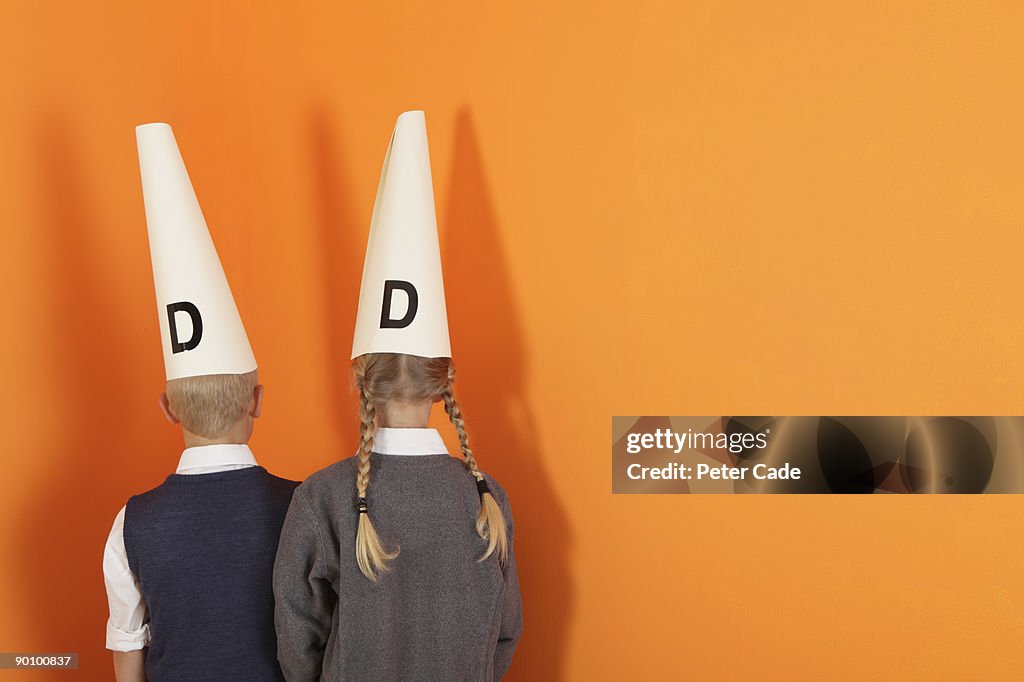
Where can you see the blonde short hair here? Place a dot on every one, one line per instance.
(210, 405)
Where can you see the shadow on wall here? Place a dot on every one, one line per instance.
(100, 446)
(342, 258)
(492, 363)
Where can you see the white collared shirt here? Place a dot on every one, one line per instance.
(388, 441)
(128, 627)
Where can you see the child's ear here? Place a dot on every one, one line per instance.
(166, 408)
(257, 402)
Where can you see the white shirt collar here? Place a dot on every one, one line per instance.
(387, 441)
(218, 457)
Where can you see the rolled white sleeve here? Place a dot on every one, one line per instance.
(127, 629)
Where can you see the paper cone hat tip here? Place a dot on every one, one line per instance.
(411, 114)
(401, 300)
(200, 328)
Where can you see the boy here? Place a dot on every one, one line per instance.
(188, 565)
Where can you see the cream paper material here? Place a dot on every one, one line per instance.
(200, 328)
(403, 260)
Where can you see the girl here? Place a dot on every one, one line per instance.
(397, 563)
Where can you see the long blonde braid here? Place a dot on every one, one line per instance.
(490, 522)
(370, 554)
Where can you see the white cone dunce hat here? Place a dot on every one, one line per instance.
(199, 323)
(401, 301)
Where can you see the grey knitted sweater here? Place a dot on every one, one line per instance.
(436, 614)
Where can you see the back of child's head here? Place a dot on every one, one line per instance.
(210, 405)
(396, 377)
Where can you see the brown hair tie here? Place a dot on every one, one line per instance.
(361, 506)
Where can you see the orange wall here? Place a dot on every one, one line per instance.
(682, 208)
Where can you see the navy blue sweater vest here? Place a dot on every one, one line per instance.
(202, 548)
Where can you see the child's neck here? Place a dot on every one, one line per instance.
(395, 415)
(237, 435)
(199, 442)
